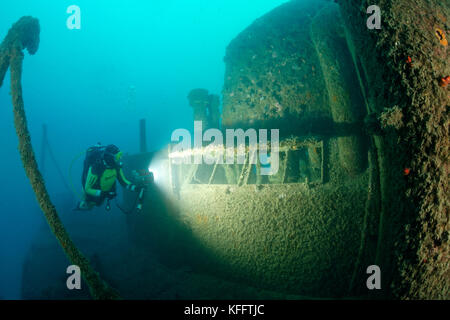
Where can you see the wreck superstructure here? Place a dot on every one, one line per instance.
(363, 154)
(353, 127)
(312, 228)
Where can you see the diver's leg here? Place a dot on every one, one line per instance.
(99, 200)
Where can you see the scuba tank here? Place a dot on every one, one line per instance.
(93, 155)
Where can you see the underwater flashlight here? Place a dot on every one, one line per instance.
(154, 172)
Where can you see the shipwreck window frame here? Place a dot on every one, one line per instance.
(182, 174)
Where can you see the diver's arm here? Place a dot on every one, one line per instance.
(124, 181)
(91, 179)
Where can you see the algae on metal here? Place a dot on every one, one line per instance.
(25, 34)
(400, 67)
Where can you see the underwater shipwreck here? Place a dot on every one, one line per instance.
(362, 179)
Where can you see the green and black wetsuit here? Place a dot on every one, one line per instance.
(101, 180)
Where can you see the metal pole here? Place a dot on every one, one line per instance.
(143, 136)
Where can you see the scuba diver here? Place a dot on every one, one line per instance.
(102, 167)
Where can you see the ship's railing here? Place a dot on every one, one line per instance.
(300, 160)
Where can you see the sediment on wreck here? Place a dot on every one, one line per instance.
(25, 34)
(311, 227)
(400, 66)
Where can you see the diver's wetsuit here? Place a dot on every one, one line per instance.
(100, 180)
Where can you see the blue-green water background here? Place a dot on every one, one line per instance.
(79, 83)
